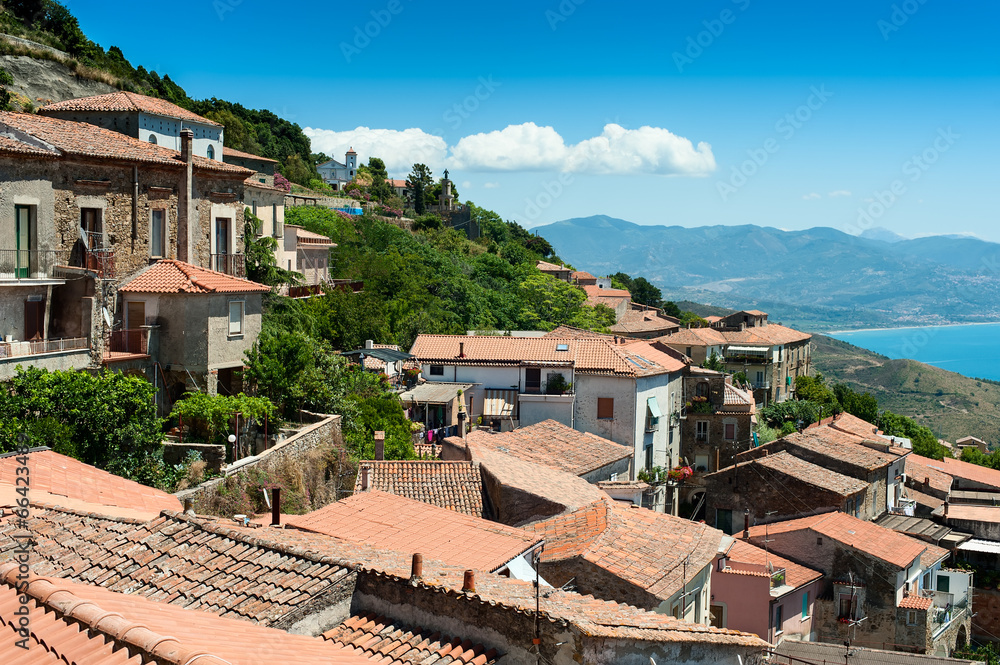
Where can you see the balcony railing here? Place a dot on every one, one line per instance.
(29, 263)
(231, 264)
(127, 343)
(38, 347)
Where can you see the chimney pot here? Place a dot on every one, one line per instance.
(469, 584)
(187, 146)
(461, 349)
(417, 569)
(945, 509)
(746, 524)
(189, 506)
(364, 479)
(275, 506)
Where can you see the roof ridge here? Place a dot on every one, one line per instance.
(120, 630)
(88, 513)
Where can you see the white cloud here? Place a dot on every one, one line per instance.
(466, 184)
(650, 150)
(528, 147)
(491, 185)
(812, 196)
(839, 192)
(400, 150)
(525, 147)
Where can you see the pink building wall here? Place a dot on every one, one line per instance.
(746, 599)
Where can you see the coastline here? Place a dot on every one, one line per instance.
(830, 333)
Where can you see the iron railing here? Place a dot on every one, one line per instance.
(40, 346)
(29, 263)
(131, 341)
(230, 264)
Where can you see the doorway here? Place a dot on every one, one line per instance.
(23, 241)
(135, 315)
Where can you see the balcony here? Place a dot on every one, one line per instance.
(126, 345)
(98, 258)
(29, 264)
(230, 264)
(42, 346)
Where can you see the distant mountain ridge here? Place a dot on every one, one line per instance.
(819, 278)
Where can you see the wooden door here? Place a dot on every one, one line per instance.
(135, 315)
(34, 319)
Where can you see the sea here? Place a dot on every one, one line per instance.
(970, 350)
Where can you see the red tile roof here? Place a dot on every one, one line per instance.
(919, 468)
(233, 152)
(694, 337)
(597, 355)
(771, 334)
(390, 642)
(80, 139)
(787, 464)
(637, 321)
(643, 547)
(172, 276)
(879, 542)
(176, 559)
(386, 521)
(456, 486)
(916, 603)
(594, 291)
(10, 144)
(569, 332)
(398, 183)
(846, 422)
(545, 266)
(963, 470)
(74, 484)
(972, 513)
(126, 102)
(557, 446)
(835, 444)
(582, 274)
(79, 623)
(796, 575)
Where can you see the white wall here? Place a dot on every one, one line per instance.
(168, 134)
(665, 438)
(621, 428)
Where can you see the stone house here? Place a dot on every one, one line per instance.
(880, 586)
(643, 322)
(628, 393)
(757, 591)
(716, 423)
(552, 270)
(82, 207)
(698, 344)
(204, 322)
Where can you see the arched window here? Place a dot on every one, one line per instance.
(152, 139)
(211, 152)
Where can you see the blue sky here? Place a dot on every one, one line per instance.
(850, 115)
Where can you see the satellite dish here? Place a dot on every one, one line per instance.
(107, 317)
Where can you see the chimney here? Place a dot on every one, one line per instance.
(469, 583)
(364, 478)
(945, 511)
(189, 506)
(746, 524)
(185, 196)
(417, 569)
(461, 349)
(275, 506)
(369, 344)
(380, 445)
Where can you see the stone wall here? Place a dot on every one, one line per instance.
(986, 606)
(596, 581)
(213, 455)
(324, 431)
(514, 506)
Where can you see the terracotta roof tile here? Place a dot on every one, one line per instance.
(644, 321)
(381, 637)
(386, 521)
(174, 558)
(694, 337)
(593, 291)
(569, 332)
(552, 444)
(963, 470)
(11, 144)
(84, 140)
(78, 623)
(771, 334)
(172, 276)
(851, 424)
(123, 101)
(919, 468)
(834, 444)
(885, 544)
(737, 397)
(233, 152)
(85, 487)
(456, 486)
(788, 465)
(795, 574)
(916, 603)
(545, 266)
(972, 513)
(597, 355)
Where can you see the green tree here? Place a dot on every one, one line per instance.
(670, 308)
(714, 362)
(421, 180)
(259, 258)
(814, 389)
(296, 170)
(644, 292)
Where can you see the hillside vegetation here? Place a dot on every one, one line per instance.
(951, 404)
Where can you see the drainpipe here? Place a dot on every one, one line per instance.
(184, 197)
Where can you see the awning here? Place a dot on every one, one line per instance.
(499, 402)
(434, 393)
(762, 350)
(654, 407)
(978, 545)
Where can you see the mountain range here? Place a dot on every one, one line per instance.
(818, 279)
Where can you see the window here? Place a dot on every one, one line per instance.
(533, 380)
(779, 619)
(943, 583)
(724, 520)
(687, 351)
(653, 414)
(927, 581)
(158, 233)
(605, 408)
(911, 618)
(24, 240)
(649, 457)
(152, 139)
(730, 431)
(274, 220)
(847, 607)
(437, 370)
(236, 317)
(701, 463)
(701, 430)
(253, 206)
(210, 153)
(805, 605)
(760, 378)
(701, 389)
